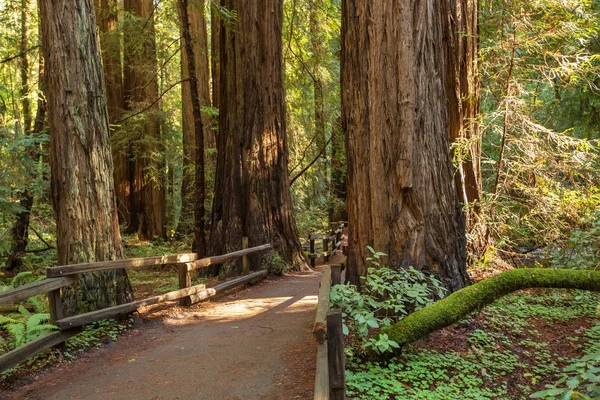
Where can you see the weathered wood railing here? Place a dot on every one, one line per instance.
(330, 381)
(65, 275)
(334, 238)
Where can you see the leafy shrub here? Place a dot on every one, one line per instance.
(24, 325)
(580, 250)
(276, 265)
(387, 296)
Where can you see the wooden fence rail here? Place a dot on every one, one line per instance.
(330, 383)
(334, 238)
(62, 276)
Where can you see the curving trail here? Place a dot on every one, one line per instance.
(253, 344)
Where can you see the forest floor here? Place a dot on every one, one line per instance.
(255, 343)
(511, 349)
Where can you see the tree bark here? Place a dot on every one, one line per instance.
(317, 45)
(401, 194)
(199, 38)
(338, 210)
(141, 88)
(252, 196)
(464, 117)
(80, 155)
(110, 44)
(197, 124)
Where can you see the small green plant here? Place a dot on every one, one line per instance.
(276, 265)
(387, 295)
(25, 326)
(580, 250)
(580, 379)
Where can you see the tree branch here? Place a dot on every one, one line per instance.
(151, 104)
(299, 174)
(19, 55)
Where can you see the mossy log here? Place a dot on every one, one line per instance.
(472, 298)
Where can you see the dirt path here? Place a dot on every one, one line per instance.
(253, 344)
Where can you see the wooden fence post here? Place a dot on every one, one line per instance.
(335, 355)
(55, 305)
(336, 274)
(245, 266)
(313, 259)
(185, 282)
(327, 256)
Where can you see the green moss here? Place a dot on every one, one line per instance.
(472, 298)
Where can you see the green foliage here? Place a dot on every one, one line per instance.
(387, 296)
(539, 73)
(505, 353)
(24, 325)
(275, 264)
(580, 249)
(581, 378)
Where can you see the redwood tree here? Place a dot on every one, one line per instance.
(401, 194)
(110, 44)
(199, 41)
(147, 205)
(252, 195)
(196, 123)
(80, 153)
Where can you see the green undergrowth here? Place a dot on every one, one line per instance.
(95, 335)
(527, 342)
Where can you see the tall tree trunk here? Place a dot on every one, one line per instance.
(215, 68)
(199, 37)
(80, 156)
(252, 196)
(20, 229)
(196, 123)
(464, 113)
(317, 44)
(401, 194)
(338, 210)
(110, 44)
(141, 88)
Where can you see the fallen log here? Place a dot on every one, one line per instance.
(472, 298)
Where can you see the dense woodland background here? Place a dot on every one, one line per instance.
(537, 122)
(450, 135)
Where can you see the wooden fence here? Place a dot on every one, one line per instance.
(62, 276)
(330, 381)
(334, 238)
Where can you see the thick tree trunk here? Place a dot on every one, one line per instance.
(401, 194)
(110, 43)
(252, 196)
(80, 157)
(141, 88)
(197, 124)
(198, 33)
(20, 229)
(473, 298)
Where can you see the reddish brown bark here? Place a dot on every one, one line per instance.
(147, 205)
(80, 155)
(199, 38)
(401, 194)
(252, 195)
(110, 44)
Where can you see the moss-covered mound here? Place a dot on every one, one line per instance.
(472, 298)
